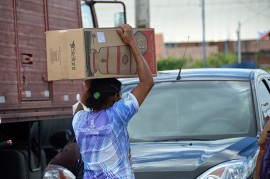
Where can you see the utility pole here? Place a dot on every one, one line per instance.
(142, 13)
(239, 42)
(203, 31)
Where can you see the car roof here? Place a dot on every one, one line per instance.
(203, 74)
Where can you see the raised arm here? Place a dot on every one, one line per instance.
(144, 73)
(84, 96)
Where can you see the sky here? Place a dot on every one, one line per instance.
(179, 20)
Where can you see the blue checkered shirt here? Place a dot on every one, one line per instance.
(103, 140)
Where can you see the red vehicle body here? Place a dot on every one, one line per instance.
(25, 91)
(32, 108)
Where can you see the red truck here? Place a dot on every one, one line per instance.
(32, 108)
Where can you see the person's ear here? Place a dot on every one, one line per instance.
(117, 96)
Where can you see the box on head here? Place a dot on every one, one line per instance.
(87, 53)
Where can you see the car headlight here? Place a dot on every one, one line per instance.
(56, 172)
(232, 169)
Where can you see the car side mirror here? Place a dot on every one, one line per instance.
(60, 138)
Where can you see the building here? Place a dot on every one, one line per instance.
(251, 50)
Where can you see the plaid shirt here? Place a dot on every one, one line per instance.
(103, 140)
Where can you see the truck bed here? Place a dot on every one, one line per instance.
(25, 92)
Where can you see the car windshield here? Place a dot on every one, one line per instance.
(194, 110)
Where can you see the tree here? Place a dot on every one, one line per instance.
(214, 60)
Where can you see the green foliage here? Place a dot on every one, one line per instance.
(218, 59)
(169, 64)
(214, 60)
(266, 69)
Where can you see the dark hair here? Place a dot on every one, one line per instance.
(100, 90)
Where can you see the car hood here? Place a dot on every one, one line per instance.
(189, 158)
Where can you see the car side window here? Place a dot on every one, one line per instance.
(264, 99)
(87, 18)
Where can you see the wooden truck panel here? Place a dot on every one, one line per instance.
(25, 93)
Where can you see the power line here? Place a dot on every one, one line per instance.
(258, 12)
(255, 15)
(184, 5)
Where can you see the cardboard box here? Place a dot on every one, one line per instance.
(96, 53)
